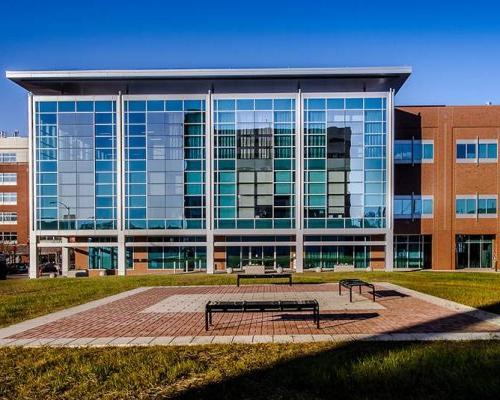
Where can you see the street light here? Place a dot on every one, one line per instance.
(68, 209)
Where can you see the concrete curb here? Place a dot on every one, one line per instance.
(207, 340)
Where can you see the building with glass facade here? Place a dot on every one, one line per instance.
(161, 171)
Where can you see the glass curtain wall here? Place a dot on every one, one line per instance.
(330, 256)
(76, 164)
(165, 164)
(345, 162)
(186, 259)
(254, 163)
(269, 256)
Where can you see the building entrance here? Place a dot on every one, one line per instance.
(474, 251)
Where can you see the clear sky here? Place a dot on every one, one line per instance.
(454, 50)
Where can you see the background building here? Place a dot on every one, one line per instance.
(182, 170)
(14, 201)
(447, 183)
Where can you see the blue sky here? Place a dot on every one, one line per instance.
(454, 50)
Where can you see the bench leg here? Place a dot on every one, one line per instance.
(340, 289)
(206, 320)
(317, 318)
(290, 280)
(238, 281)
(373, 291)
(360, 290)
(210, 317)
(350, 294)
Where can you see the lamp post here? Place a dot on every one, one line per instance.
(68, 208)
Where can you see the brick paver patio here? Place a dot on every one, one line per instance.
(174, 315)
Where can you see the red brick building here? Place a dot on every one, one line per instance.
(14, 205)
(462, 178)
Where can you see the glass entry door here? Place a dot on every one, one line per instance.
(474, 251)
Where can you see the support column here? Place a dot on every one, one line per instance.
(33, 268)
(389, 251)
(210, 252)
(209, 184)
(64, 257)
(299, 183)
(389, 236)
(121, 255)
(299, 252)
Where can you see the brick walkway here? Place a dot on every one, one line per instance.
(175, 314)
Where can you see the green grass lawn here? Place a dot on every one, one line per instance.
(431, 370)
(21, 299)
(361, 370)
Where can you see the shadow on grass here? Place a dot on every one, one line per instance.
(492, 308)
(373, 369)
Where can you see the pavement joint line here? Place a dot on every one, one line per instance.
(122, 341)
(182, 340)
(202, 340)
(140, 341)
(41, 342)
(61, 342)
(161, 340)
(223, 339)
(244, 339)
(48, 318)
(81, 342)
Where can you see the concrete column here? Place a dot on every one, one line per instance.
(389, 236)
(64, 258)
(33, 268)
(122, 271)
(299, 252)
(210, 252)
(389, 251)
(209, 184)
(299, 183)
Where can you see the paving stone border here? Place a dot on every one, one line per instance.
(205, 340)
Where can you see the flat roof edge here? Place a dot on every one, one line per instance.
(207, 73)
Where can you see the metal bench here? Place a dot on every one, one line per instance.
(350, 283)
(261, 306)
(263, 276)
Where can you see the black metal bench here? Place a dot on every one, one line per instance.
(350, 283)
(263, 276)
(261, 306)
